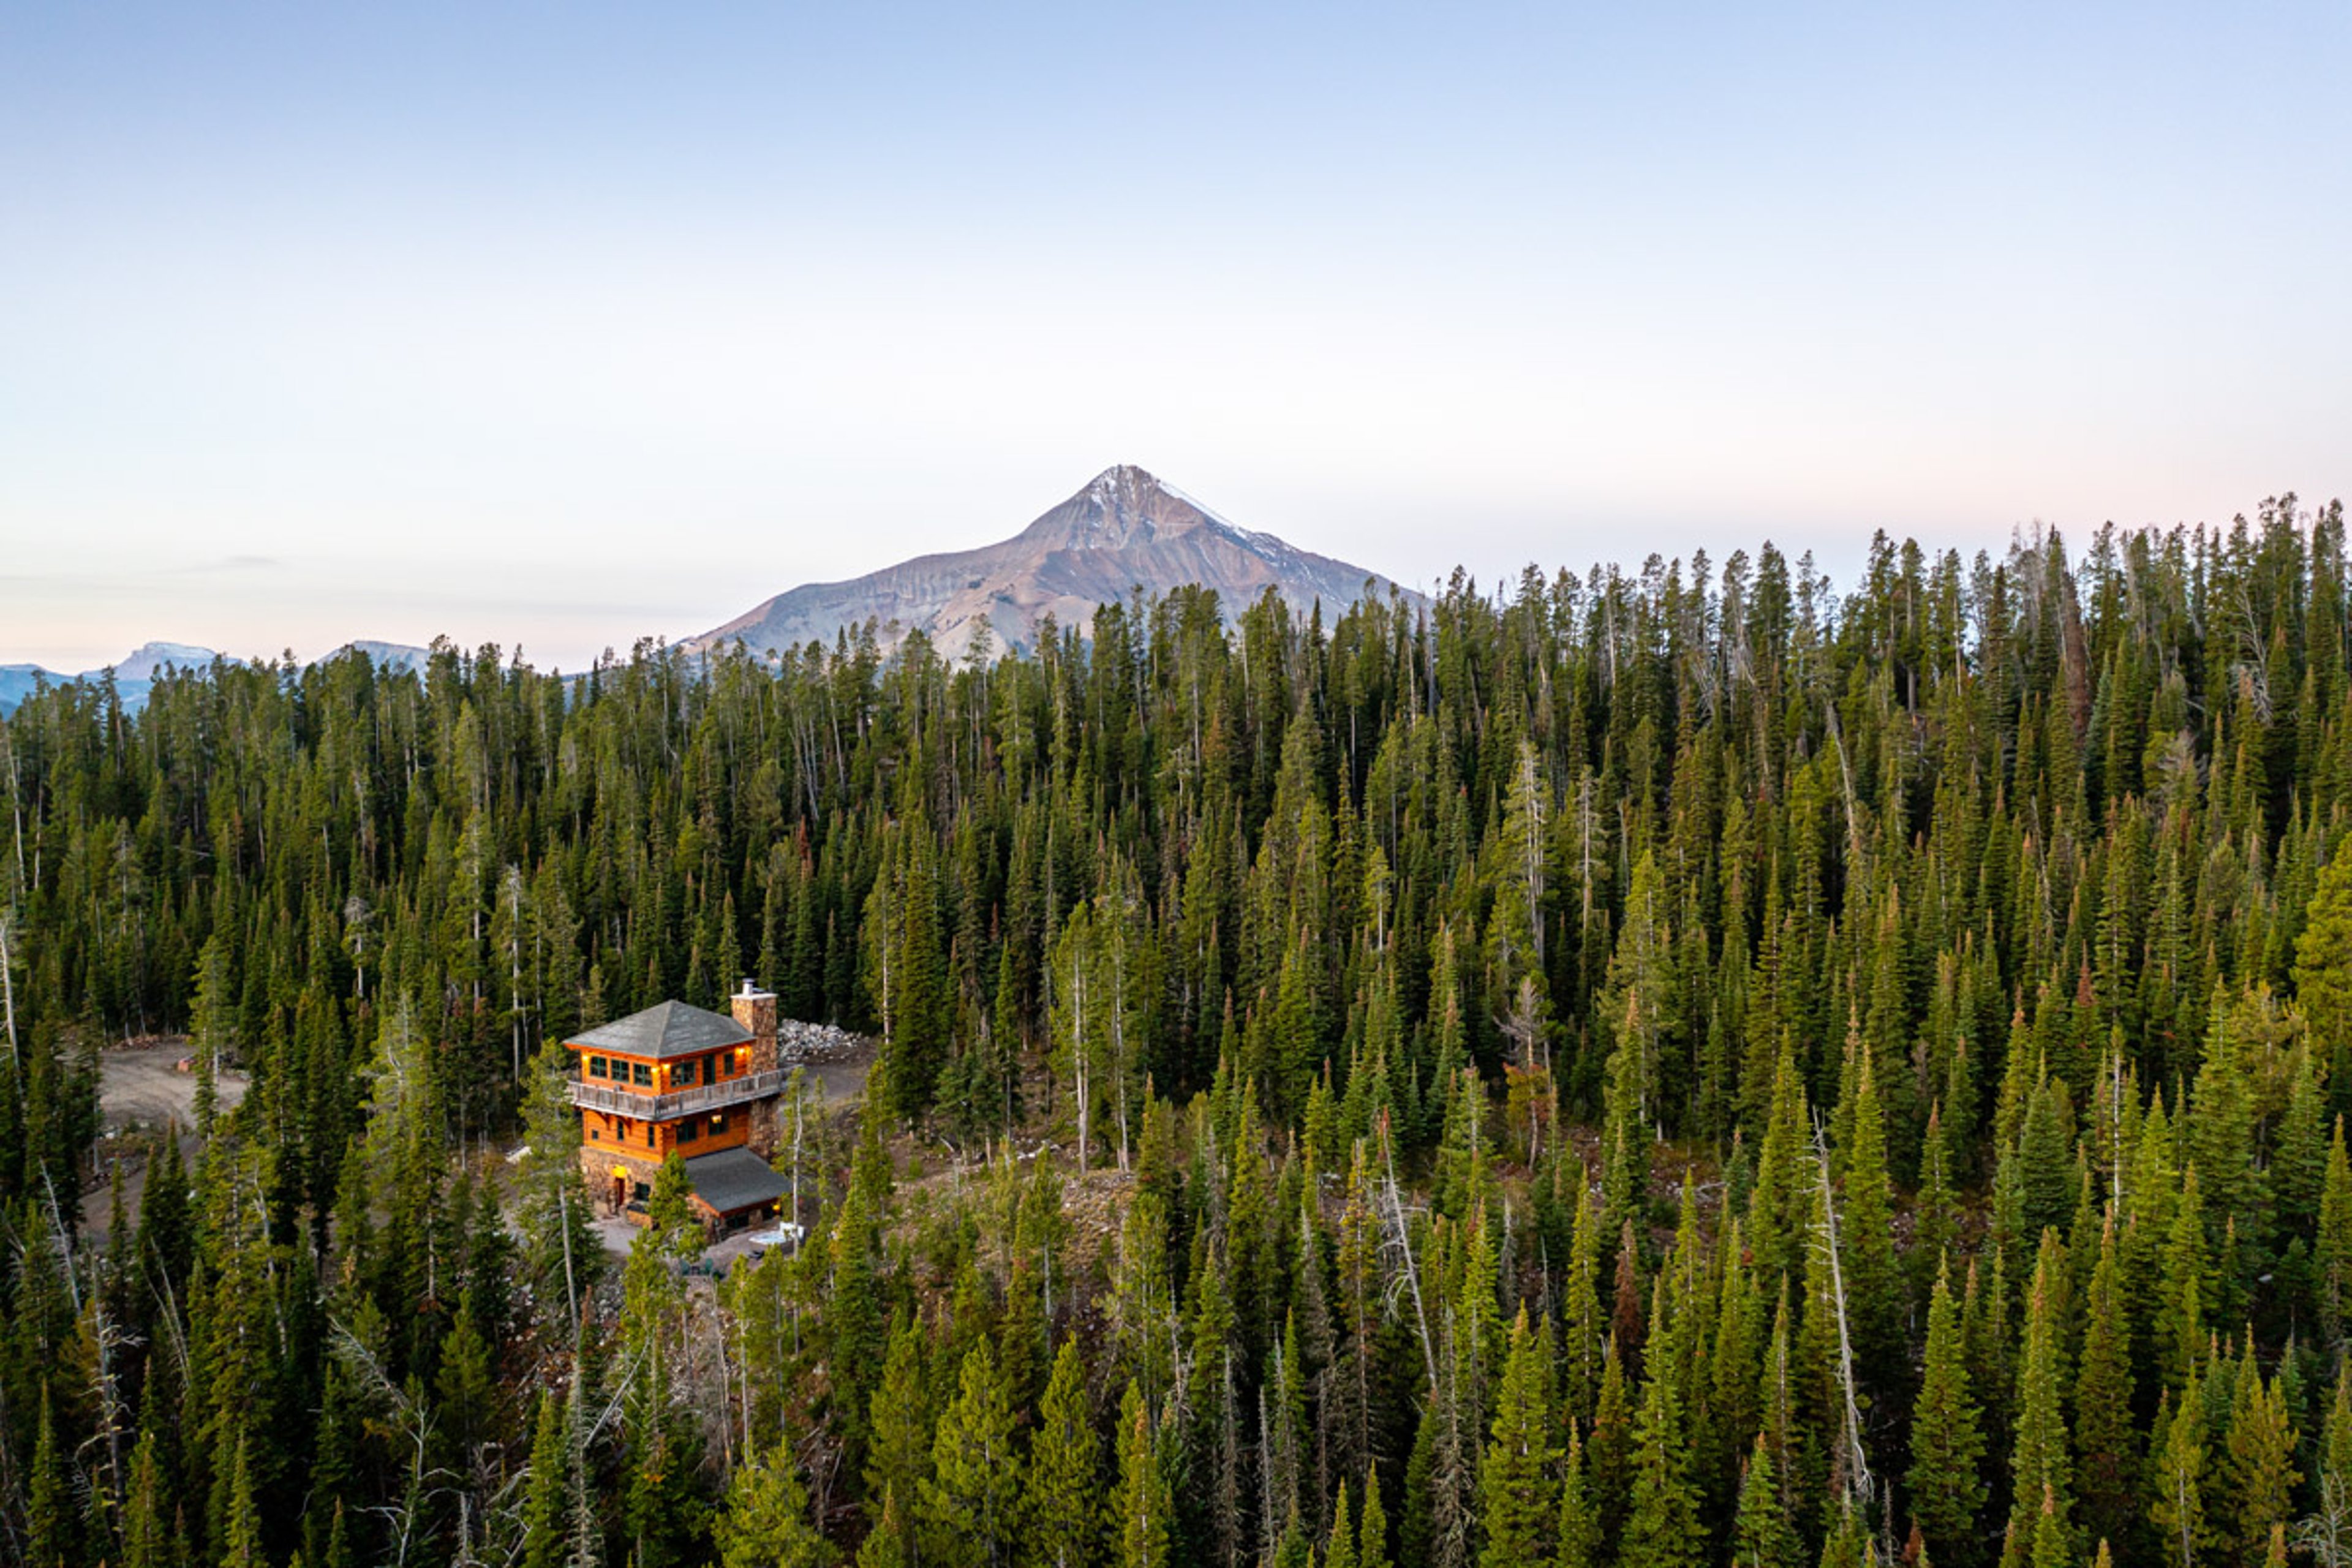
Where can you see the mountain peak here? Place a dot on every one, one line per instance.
(1124, 484)
(1120, 508)
(1125, 529)
(149, 658)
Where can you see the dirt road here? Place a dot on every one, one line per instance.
(140, 1090)
(142, 1086)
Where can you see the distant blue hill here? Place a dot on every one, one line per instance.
(135, 677)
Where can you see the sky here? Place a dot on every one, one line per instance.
(557, 326)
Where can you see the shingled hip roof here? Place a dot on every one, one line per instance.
(733, 1179)
(668, 1029)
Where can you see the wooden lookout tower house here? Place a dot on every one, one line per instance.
(680, 1079)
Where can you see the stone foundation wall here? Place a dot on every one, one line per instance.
(596, 1168)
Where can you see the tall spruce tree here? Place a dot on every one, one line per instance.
(971, 1501)
(2106, 1439)
(2039, 1463)
(1945, 1480)
(2176, 1498)
(1662, 1529)
(1065, 1492)
(1142, 1505)
(1521, 1500)
(765, 1522)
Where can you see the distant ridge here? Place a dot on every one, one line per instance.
(1125, 528)
(136, 674)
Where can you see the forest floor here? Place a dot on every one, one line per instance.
(140, 1089)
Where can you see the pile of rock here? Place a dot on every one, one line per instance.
(799, 1042)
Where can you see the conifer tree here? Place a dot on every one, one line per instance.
(1663, 1530)
(2176, 1499)
(1292, 1549)
(1874, 1282)
(898, 1456)
(2039, 1462)
(546, 1500)
(1143, 1504)
(1339, 1550)
(2331, 1249)
(1583, 1329)
(147, 1541)
(2322, 969)
(1579, 1543)
(1846, 1543)
(1372, 1530)
(1779, 1211)
(1451, 1473)
(1937, 1228)
(241, 1526)
(2106, 1440)
(2049, 1537)
(211, 1031)
(765, 1522)
(2261, 1466)
(49, 1510)
(1609, 1452)
(971, 1499)
(1761, 1535)
(561, 1252)
(884, 1544)
(2046, 1161)
(2185, 1288)
(1520, 1499)
(1064, 1493)
(1945, 1480)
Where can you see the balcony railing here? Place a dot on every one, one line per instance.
(677, 1103)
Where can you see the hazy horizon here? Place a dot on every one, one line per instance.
(558, 329)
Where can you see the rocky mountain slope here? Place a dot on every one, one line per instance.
(1125, 530)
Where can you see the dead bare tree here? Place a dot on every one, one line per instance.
(1855, 1469)
(1400, 1238)
(2325, 1537)
(7, 983)
(513, 889)
(406, 1521)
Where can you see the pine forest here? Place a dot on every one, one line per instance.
(1656, 1068)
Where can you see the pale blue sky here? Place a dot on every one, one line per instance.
(573, 324)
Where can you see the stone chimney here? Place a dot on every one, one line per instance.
(755, 1010)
